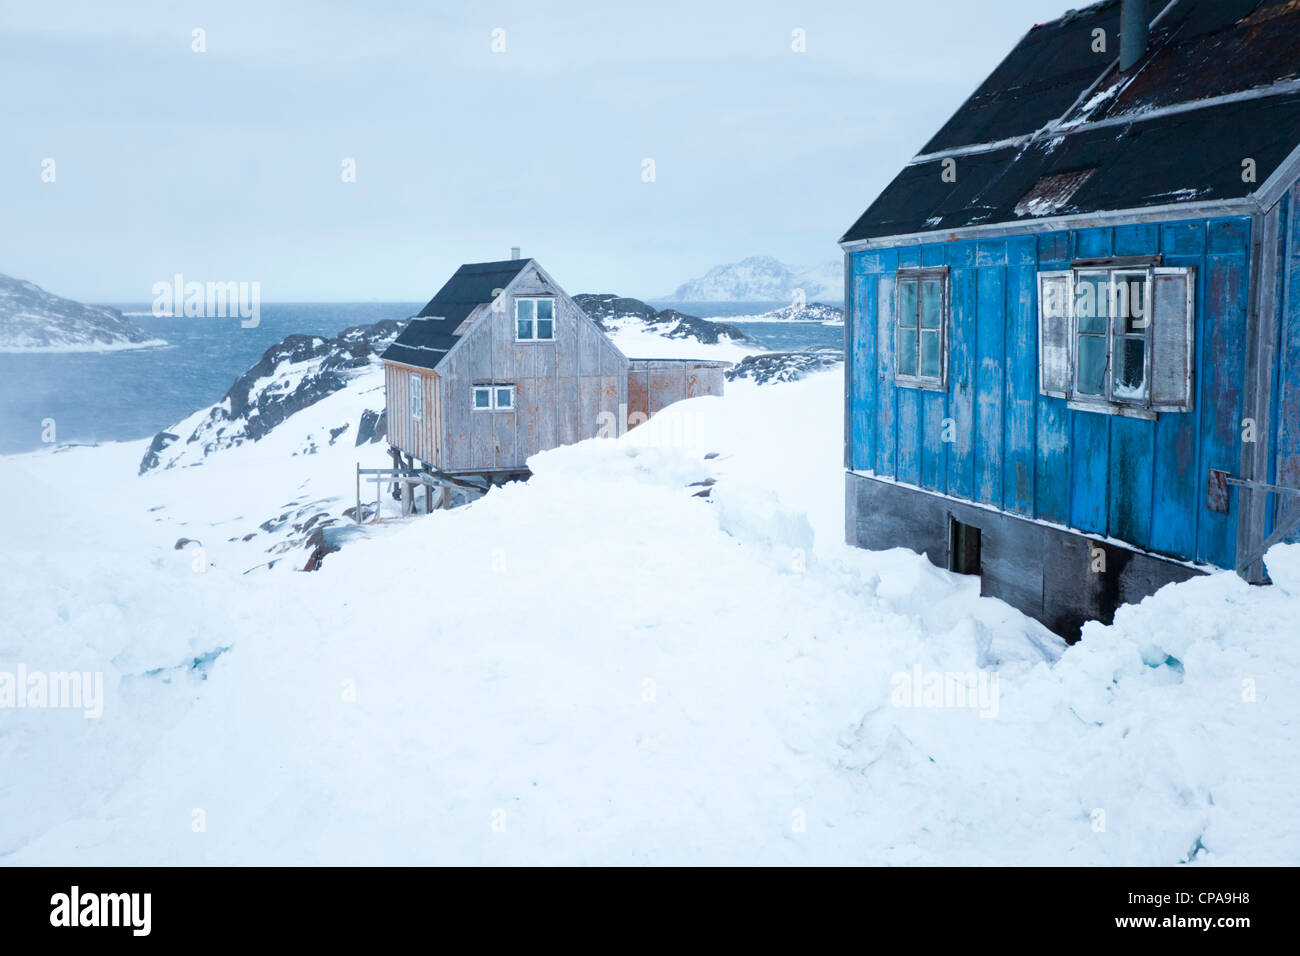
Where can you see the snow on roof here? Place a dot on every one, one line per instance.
(1220, 81)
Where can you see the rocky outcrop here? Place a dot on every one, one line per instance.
(812, 312)
(612, 312)
(292, 374)
(769, 367)
(33, 320)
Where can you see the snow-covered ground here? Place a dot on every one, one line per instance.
(601, 666)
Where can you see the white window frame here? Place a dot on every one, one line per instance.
(920, 276)
(533, 337)
(1108, 402)
(1107, 396)
(417, 397)
(492, 388)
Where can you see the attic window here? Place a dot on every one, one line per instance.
(488, 398)
(1051, 193)
(535, 320)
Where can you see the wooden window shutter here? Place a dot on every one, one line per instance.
(1172, 332)
(1055, 304)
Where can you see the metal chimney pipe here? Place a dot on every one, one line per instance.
(1134, 30)
(514, 252)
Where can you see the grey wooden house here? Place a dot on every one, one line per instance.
(1073, 320)
(501, 364)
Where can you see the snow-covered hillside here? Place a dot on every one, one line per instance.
(291, 375)
(809, 312)
(764, 279)
(33, 320)
(633, 319)
(658, 650)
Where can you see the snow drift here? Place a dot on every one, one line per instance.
(602, 666)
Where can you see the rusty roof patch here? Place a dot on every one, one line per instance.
(1051, 193)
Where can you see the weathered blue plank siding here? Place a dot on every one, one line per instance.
(1286, 410)
(990, 353)
(1141, 481)
(961, 377)
(861, 375)
(1019, 411)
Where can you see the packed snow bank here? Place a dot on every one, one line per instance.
(603, 666)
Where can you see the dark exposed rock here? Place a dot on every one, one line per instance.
(332, 359)
(319, 548)
(326, 540)
(768, 367)
(159, 443)
(607, 309)
(373, 427)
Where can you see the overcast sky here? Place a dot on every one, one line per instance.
(226, 165)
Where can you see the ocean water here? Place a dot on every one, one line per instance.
(88, 397)
(119, 396)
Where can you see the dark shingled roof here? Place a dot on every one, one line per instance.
(1031, 121)
(1037, 82)
(430, 335)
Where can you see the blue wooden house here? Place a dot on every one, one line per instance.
(1073, 329)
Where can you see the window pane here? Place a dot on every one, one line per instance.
(930, 353)
(1092, 365)
(546, 308)
(1092, 301)
(482, 398)
(907, 351)
(931, 303)
(1130, 376)
(1130, 304)
(545, 329)
(525, 329)
(503, 398)
(524, 308)
(907, 304)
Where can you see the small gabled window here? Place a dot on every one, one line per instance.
(1117, 339)
(488, 398)
(417, 397)
(535, 320)
(921, 329)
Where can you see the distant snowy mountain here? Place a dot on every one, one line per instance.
(764, 279)
(33, 320)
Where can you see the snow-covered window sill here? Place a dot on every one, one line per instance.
(1124, 411)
